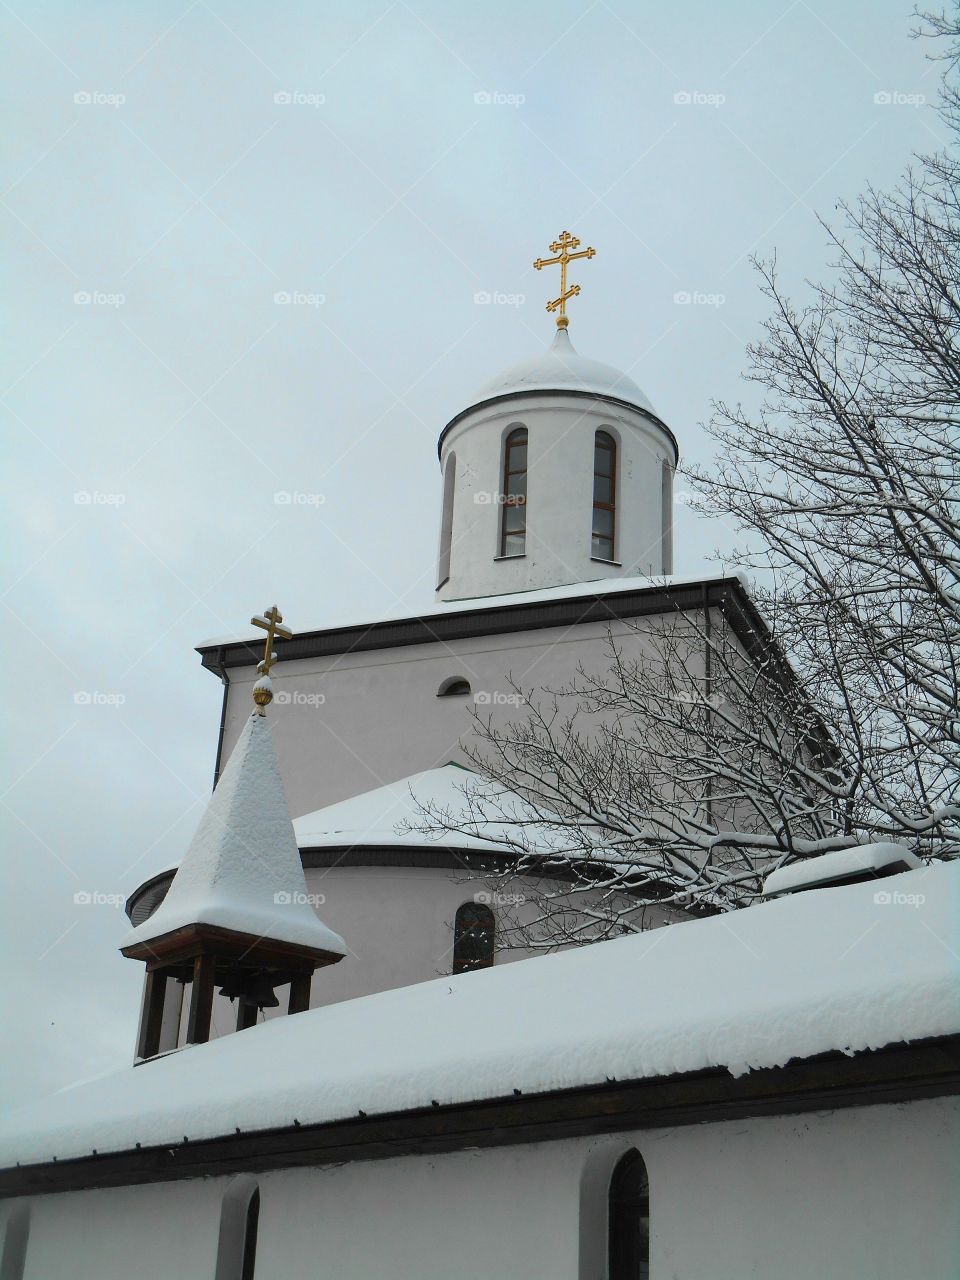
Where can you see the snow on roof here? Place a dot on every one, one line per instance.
(842, 864)
(561, 368)
(543, 595)
(853, 968)
(378, 817)
(242, 870)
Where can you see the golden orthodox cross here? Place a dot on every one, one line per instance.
(269, 621)
(563, 249)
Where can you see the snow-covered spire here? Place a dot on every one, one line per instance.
(242, 870)
(237, 912)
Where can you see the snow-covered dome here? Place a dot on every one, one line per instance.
(562, 368)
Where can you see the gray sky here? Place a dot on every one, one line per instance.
(179, 196)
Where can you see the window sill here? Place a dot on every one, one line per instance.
(617, 564)
(521, 555)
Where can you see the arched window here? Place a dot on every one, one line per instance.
(474, 932)
(666, 501)
(13, 1258)
(513, 496)
(239, 1218)
(454, 687)
(446, 520)
(603, 538)
(628, 1218)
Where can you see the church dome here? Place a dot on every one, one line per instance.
(562, 368)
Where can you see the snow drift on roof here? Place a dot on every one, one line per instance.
(850, 968)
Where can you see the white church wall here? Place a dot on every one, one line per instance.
(399, 923)
(147, 1232)
(356, 721)
(560, 454)
(846, 1195)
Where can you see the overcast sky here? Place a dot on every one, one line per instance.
(170, 170)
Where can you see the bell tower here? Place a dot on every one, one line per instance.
(237, 915)
(557, 471)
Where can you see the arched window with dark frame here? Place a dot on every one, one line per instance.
(474, 935)
(628, 1218)
(604, 531)
(513, 494)
(239, 1221)
(446, 520)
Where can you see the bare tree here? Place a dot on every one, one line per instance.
(696, 761)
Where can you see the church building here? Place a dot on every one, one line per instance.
(336, 1073)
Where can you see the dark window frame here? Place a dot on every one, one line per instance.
(474, 946)
(604, 446)
(517, 438)
(628, 1219)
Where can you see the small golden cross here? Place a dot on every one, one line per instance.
(563, 248)
(269, 621)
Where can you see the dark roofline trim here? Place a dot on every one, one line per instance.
(832, 1081)
(610, 605)
(564, 391)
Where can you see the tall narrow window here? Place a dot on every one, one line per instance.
(239, 1219)
(666, 500)
(13, 1259)
(513, 512)
(629, 1220)
(604, 496)
(446, 520)
(474, 933)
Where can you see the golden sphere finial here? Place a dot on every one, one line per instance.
(563, 322)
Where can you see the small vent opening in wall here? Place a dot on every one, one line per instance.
(454, 687)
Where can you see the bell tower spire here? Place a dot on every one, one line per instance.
(237, 915)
